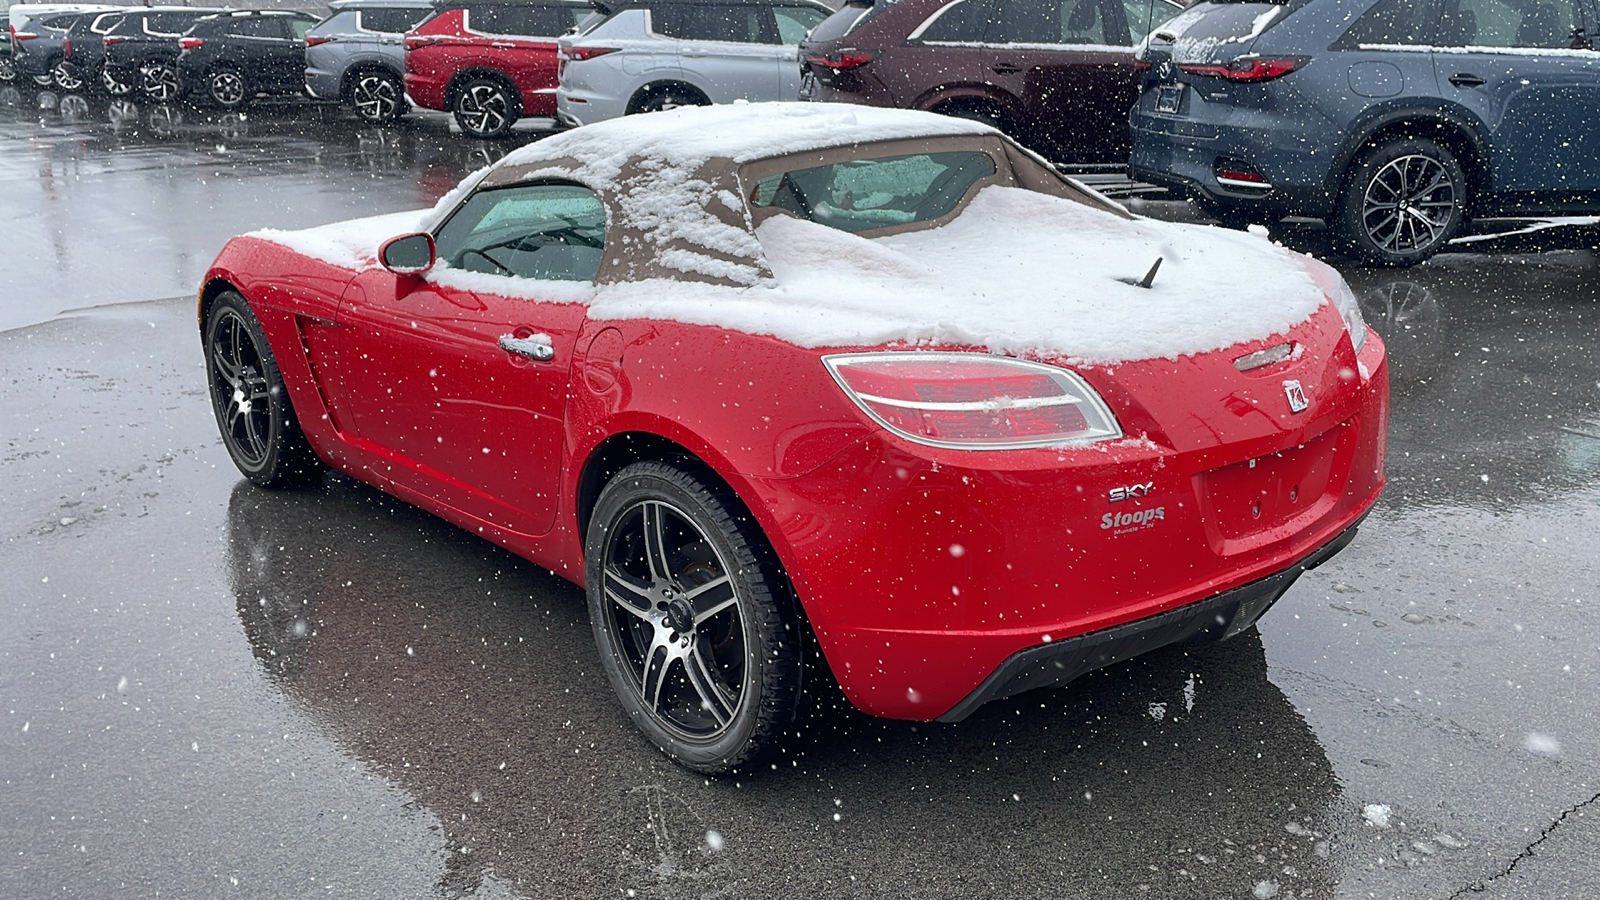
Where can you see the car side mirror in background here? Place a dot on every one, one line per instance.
(408, 254)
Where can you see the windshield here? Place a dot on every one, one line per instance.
(863, 194)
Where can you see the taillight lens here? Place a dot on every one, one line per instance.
(66, 47)
(413, 41)
(973, 401)
(582, 53)
(23, 35)
(110, 39)
(1337, 290)
(190, 43)
(1248, 68)
(313, 40)
(843, 59)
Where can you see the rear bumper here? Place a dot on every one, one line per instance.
(1215, 619)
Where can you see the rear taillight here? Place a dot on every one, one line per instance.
(413, 41)
(66, 47)
(578, 54)
(110, 39)
(843, 59)
(313, 40)
(972, 400)
(190, 43)
(23, 35)
(1248, 68)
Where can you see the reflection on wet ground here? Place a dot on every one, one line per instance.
(189, 663)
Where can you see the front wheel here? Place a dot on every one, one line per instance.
(113, 85)
(1403, 202)
(8, 69)
(695, 624)
(252, 407)
(377, 97)
(484, 108)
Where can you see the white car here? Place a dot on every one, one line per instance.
(646, 55)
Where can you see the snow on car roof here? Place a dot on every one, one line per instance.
(1017, 271)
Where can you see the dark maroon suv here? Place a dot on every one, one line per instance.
(1058, 75)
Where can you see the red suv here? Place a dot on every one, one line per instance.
(490, 62)
(1058, 75)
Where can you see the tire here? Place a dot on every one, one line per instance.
(696, 627)
(112, 86)
(253, 411)
(1227, 215)
(485, 108)
(377, 96)
(1403, 201)
(44, 81)
(974, 113)
(159, 81)
(8, 69)
(66, 76)
(226, 88)
(670, 96)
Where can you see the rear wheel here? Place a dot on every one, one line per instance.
(226, 88)
(377, 97)
(694, 622)
(66, 76)
(670, 96)
(159, 81)
(1402, 203)
(974, 112)
(253, 411)
(484, 108)
(8, 69)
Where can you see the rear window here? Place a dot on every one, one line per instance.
(864, 194)
(842, 22)
(391, 21)
(1219, 29)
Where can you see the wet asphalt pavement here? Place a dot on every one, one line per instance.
(209, 690)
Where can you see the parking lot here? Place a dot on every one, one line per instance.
(214, 690)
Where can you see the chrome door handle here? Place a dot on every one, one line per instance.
(502, 45)
(535, 346)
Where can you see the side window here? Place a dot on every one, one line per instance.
(256, 27)
(795, 22)
(961, 21)
(1145, 16)
(1531, 24)
(547, 231)
(298, 28)
(1403, 23)
(519, 19)
(391, 21)
(716, 22)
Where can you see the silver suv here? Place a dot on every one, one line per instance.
(357, 55)
(644, 55)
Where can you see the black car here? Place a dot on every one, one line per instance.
(143, 48)
(83, 55)
(232, 57)
(38, 55)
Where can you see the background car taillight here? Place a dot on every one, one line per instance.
(843, 59)
(414, 41)
(110, 39)
(582, 53)
(973, 401)
(1248, 68)
(313, 40)
(190, 43)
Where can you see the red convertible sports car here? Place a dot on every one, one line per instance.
(772, 380)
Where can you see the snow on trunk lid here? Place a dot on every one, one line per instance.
(1216, 32)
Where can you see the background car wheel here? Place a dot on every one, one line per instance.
(484, 108)
(8, 69)
(377, 97)
(65, 75)
(159, 81)
(1402, 202)
(976, 112)
(113, 86)
(670, 97)
(253, 411)
(694, 621)
(44, 80)
(226, 88)
(1226, 215)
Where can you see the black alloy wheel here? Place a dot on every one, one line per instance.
(45, 80)
(66, 76)
(226, 88)
(695, 623)
(113, 86)
(671, 97)
(253, 411)
(484, 108)
(159, 81)
(1404, 201)
(377, 97)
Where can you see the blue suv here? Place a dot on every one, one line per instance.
(1394, 121)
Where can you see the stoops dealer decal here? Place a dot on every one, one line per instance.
(1133, 520)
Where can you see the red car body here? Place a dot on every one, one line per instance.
(935, 578)
(510, 44)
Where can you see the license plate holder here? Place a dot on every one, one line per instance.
(1169, 97)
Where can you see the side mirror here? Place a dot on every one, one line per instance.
(408, 254)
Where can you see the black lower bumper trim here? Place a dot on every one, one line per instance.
(1212, 619)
